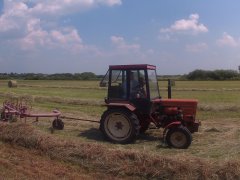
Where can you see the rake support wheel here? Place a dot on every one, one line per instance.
(58, 124)
(119, 126)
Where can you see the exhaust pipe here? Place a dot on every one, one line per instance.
(170, 84)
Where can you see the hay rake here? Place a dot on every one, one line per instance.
(11, 111)
(19, 108)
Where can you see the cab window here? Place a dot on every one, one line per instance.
(118, 85)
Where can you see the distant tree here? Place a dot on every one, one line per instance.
(57, 76)
(88, 76)
(213, 75)
(226, 74)
(197, 75)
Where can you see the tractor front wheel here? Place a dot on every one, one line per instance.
(179, 137)
(119, 125)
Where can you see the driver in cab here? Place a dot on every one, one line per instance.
(137, 89)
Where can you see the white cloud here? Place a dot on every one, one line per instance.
(66, 39)
(71, 36)
(187, 25)
(14, 16)
(129, 52)
(6, 24)
(60, 7)
(24, 22)
(195, 48)
(150, 51)
(228, 40)
(166, 37)
(34, 39)
(63, 7)
(110, 2)
(17, 13)
(121, 44)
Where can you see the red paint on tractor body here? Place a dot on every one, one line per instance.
(188, 106)
(122, 104)
(132, 67)
(173, 124)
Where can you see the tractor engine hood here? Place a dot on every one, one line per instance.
(188, 106)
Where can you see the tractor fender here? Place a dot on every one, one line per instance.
(173, 124)
(125, 105)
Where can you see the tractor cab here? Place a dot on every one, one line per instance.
(130, 82)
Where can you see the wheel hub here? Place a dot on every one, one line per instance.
(119, 125)
(178, 139)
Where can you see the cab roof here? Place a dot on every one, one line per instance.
(132, 67)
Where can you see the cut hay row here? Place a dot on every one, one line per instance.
(69, 101)
(219, 107)
(104, 88)
(121, 163)
(61, 87)
(206, 89)
(41, 99)
(21, 163)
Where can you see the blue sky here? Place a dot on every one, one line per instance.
(75, 36)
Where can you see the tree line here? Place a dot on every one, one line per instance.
(213, 75)
(194, 75)
(57, 76)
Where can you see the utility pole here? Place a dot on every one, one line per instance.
(239, 69)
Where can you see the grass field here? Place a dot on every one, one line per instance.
(216, 145)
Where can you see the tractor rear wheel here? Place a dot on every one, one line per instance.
(179, 137)
(119, 125)
(58, 124)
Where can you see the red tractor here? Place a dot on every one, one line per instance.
(133, 102)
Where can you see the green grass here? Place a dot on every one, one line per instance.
(63, 92)
(219, 111)
(209, 93)
(203, 84)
